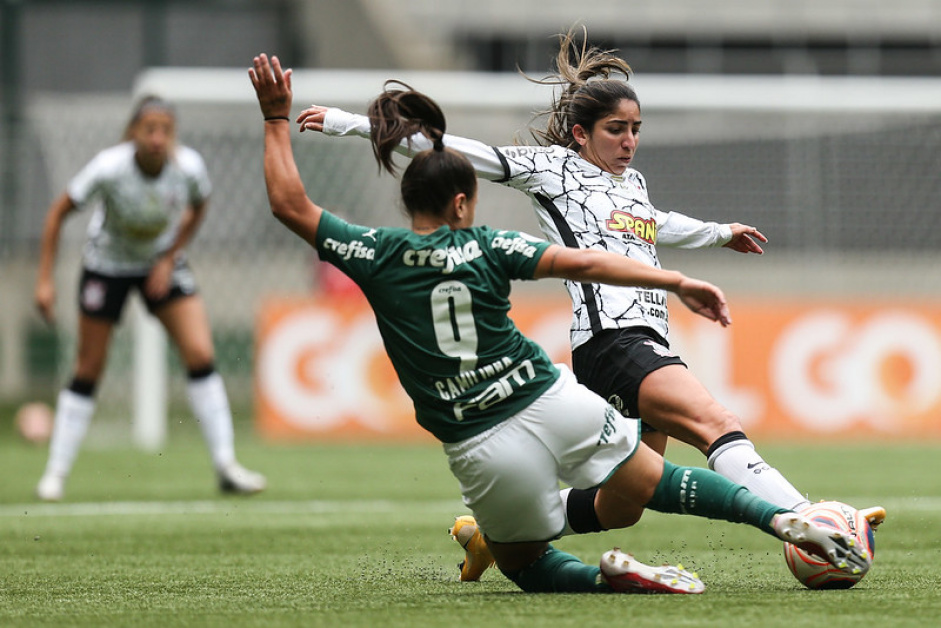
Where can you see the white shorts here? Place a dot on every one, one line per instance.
(510, 474)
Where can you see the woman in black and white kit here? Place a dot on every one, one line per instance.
(586, 195)
(512, 424)
(153, 194)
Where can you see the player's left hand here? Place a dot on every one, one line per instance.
(158, 281)
(744, 239)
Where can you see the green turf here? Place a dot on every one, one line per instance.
(355, 535)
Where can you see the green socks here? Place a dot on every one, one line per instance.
(704, 493)
(558, 572)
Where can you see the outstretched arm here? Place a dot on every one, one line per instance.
(334, 121)
(596, 266)
(286, 193)
(684, 232)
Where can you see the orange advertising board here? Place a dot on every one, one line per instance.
(794, 369)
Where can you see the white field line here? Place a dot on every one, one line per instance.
(227, 506)
(251, 506)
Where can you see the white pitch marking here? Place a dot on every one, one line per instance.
(95, 509)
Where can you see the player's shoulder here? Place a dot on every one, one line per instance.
(526, 151)
(188, 159)
(114, 157)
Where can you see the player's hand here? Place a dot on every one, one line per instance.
(272, 86)
(745, 239)
(45, 299)
(705, 299)
(311, 119)
(158, 281)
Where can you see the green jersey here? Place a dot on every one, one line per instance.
(441, 302)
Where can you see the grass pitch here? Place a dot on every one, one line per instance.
(355, 535)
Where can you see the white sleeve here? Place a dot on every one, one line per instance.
(682, 232)
(197, 175)
(483, 158)
(339, 123)
(84, 185)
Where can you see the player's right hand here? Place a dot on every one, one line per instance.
(45, 299)
(705, 299)
(311, 119)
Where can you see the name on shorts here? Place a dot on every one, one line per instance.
(507, 377)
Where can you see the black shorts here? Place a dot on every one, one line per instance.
(614, 363)
(103, 296)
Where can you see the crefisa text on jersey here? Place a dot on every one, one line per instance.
(347, 250)
(449, 258)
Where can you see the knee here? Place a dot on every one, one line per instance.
(615, 512)
(626, 518)
(713, 423)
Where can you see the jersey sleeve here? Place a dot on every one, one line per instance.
(87, 182)
(349, 247)
(197, 175)
(682, 232)
(518, 253)
(486, 160)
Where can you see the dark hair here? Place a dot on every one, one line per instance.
(588, 90)
(435, 176)
(144, 105)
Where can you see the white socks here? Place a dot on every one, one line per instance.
(73, 416)
(210, 404)
(739, 462)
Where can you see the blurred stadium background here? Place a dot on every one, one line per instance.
(817, 121)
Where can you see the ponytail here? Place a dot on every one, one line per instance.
(434, 177)
(592, 81)
(397, 114)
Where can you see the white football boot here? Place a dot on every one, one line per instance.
(625, 574)
(234, 478)
(836, 547)
(51, 488)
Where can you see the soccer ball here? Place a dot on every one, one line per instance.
(816, 573)
(33, 422)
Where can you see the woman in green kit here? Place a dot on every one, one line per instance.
(502, 410)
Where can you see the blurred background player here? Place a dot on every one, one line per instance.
(153, 195)
(512, 423)
(586, 196)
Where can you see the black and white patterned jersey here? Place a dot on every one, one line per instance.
(579, 205)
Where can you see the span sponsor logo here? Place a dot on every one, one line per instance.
(643, 228)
